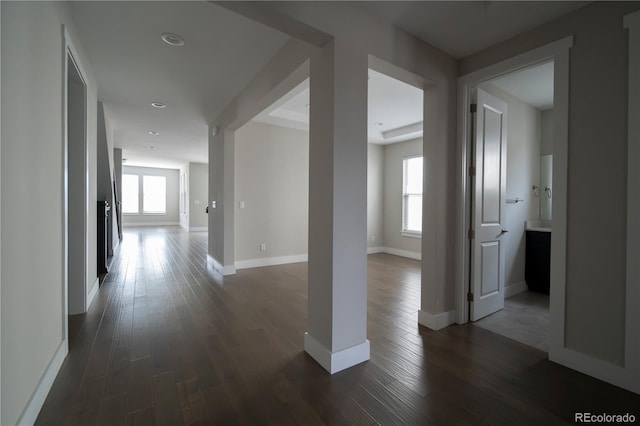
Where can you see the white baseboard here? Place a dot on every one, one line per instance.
(603, 370)
(271, 261)
(224, 270)
(198, 228)
(31, 411)
(93, 292)
(514, 289)
(403, 253)
(334, 362)
(134, 224)
(374, 250)
(436, 321)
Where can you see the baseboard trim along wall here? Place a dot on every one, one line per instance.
(603, 370)
(270, 261)
(224, 270)
(334, 362)
(198, 229)
(296, 258)
(134, 224)
(32, 410)
(514, 289)
(396, 252)
(436, 321)
(93, 292)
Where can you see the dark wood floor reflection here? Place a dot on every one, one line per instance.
(168, 342)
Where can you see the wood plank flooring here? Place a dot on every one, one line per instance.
(168, 341)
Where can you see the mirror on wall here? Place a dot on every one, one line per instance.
(546, 189)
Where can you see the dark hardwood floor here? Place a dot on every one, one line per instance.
(169, 342)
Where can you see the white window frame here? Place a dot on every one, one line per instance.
(409, 232)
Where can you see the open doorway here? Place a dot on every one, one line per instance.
(527, 96)
(271, 180)
(475, 273)
(77, 188)
(395, 178)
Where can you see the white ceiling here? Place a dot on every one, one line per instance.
(223, 51)
(133, 67)
(532, 85)
(461, 28)
(395, 105)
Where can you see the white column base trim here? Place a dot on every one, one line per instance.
(223, 269)
(611, 373)
(514, 289)
(336, 361)
(198, 229)
(270, 261)
(31, 411)
(438, 321)
(93, 292)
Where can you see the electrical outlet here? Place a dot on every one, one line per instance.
(241, 204)
(263, 246)
(213, 204)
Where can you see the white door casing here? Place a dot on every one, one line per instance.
(488, 206)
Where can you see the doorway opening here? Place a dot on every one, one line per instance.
(271, 180)
(528, 97)
(76, 188)
(395, 181)
(481, 276)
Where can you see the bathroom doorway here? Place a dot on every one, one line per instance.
(528, 98)
(528, 316)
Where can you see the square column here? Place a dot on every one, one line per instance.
(221, 200)
(337, 336)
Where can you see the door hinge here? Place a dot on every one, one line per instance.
(473, 108)
(469, 297)
(472, 171)
(471, 234)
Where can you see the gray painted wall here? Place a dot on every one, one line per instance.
(375, 196)
(272, 179)
(596, 285)
(198, 194)
(393, 156)
(173, 188)
(523, 171)
(32, 196)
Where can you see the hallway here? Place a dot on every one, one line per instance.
(167, 342)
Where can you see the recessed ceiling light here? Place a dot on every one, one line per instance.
(377, 123)
(158, 105)
(172, 39)
(151, 132)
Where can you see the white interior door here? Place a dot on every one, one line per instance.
(488, 206)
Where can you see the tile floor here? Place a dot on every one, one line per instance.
(525, 318)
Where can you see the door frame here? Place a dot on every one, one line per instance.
(558, 52)
(70, 53)
(632, 328)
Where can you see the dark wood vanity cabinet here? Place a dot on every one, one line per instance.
(537, 268)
